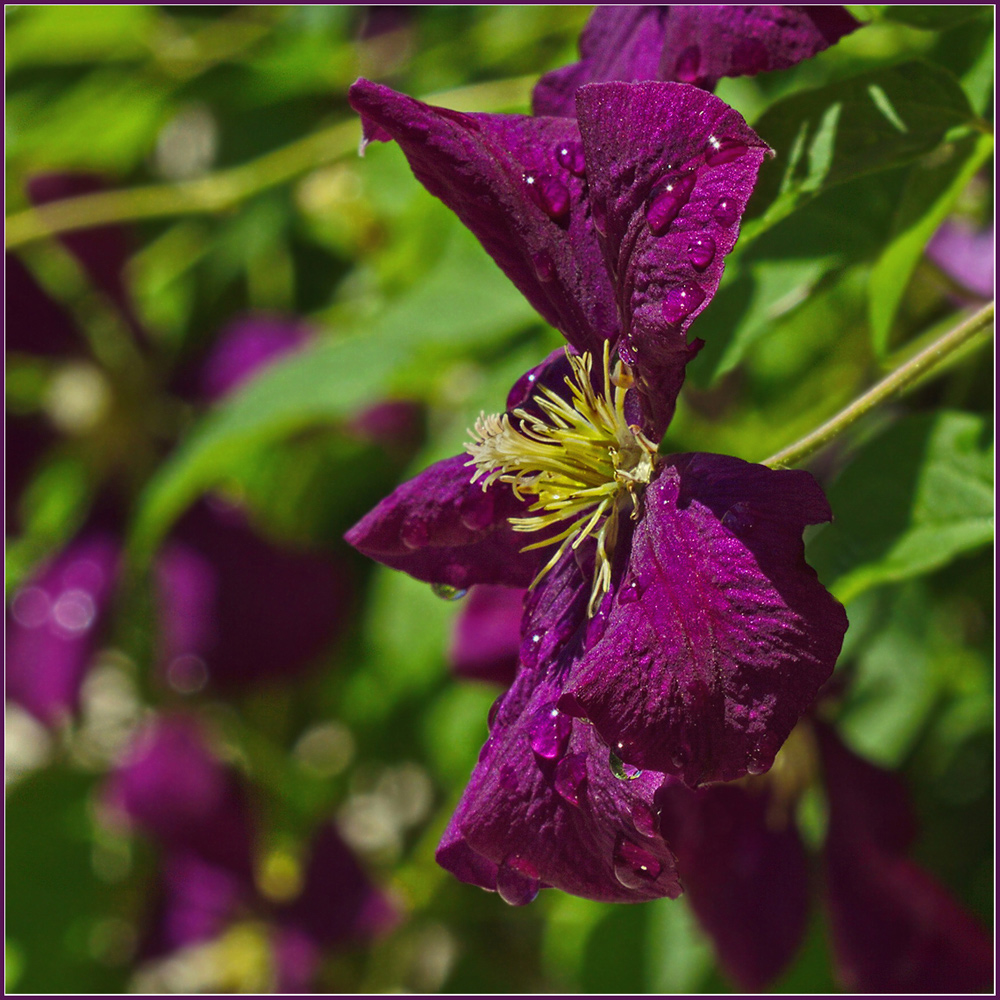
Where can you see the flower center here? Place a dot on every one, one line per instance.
(579, 458)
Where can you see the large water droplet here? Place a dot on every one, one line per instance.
(666, 199)
(726, 211)
(491, 715)
(544, 266)
(415, 534)
(447, 592)
(515, 887)
(531, 648)
(571, 776)
(724, 151)
(570, 155)
(549, 194)
(738, 519)
(681, 302)
(688, 64)
(701, 251)
(634, 866)
(548, 732)
(646, 821)
(757, 764)
(621, 770)
(476, 511)
(485, 749)
(634, 588)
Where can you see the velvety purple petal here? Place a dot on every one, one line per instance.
(487, 635)
(543, 807)
(670, 169)
(226, 597)
(54, 624)
(966, 254)
(519, 184)
(697, 44)
(720, 635)
(442, 528)
(174, 788)
(246, 347)
(744, 872)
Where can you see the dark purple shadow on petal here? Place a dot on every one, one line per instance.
(518, 183)
(487, 635)
(721, 634)
(744, 872)
(54, 625)
(697, 44)
(670, 169)
(894, 927)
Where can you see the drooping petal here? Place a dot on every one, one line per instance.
(744, 872)
(670, 169)
(690, 44)
(518, 183)
(721, 634)
(543, 807)
(488, 635)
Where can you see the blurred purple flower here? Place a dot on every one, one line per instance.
(174, 789)
(966, 254)
(677, 622)
(488, 635)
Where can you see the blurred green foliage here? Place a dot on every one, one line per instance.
(226, 146)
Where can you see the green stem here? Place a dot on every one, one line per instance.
(227, 188)
(896, 382)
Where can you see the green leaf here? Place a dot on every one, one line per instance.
(930, 192)
(912, 500)
(679, 956)
(851, 128)
(934, 17)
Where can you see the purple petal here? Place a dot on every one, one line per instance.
(246, 347)
(395, 424)
(54, 624)
(690, 44)
(966, 254)
(442, 528)
(543, 807)
(720, 635)
(488, 635)
(34, 323)
(744, 872)
(670, 170)
(518, 183)
(226, 596)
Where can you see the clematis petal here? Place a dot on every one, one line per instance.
(543, 807)
(690, 44)
(488, 635)
(518, 183)
(720, 635)
(744, 871)
(670, 169)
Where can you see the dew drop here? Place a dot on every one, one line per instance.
(701, 252)
(634, 866)
(530, 650)
(571, 776)
(549, 194)
(633, 590)
(666, 199)
(726, 211)
(681, 302)
(516, 888)
(688, 63)
(548, 732)
(755, 765)
(722, 151)
(415, 534)
(485, 749)
(627, 351)
(477, 510)
(595, 628)
(738, 519)
(621, 770)
(491, 716)
(645, 820)
(447, 592)
(570, 156)
(544, 266)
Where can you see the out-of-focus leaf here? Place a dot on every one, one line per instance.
(930, 192)
(455, 727)
(679, 956)
(913, 499)
(934, 16)
(851, 128)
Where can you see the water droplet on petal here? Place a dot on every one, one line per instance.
(666, 199)
(688, 63)
(485, 749)
(544, 266)
(627, 352)
(621, 770)
(722, 151)
(549, 194)
(595, 628)
(757, 765)
(681, 302)
(634, 588)
(491, 716)
(600, 216)
(530, 650)
(701, 251)
(548, 732)
(646, 821)
(570, 156)
(447, 592)
(476, 511)
(726, 211)
(515, 887)
(634, 866)
(738, 519)
(415, 534)
(571, 776)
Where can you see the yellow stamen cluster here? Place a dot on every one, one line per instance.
(581, 460)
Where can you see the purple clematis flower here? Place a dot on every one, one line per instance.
(672, 623)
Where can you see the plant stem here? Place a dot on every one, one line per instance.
(896, 382)
(227, 188)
